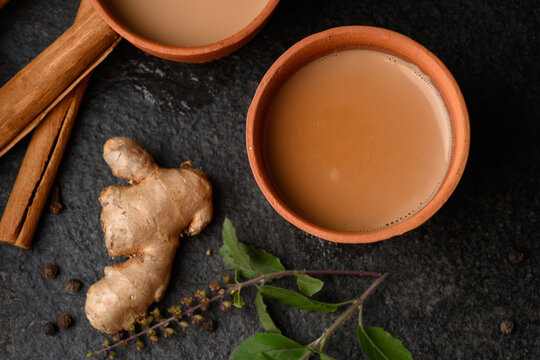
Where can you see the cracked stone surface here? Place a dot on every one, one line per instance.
(451, 283)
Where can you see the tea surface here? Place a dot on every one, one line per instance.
(187, 22)
(357, 141)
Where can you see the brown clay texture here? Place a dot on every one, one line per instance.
(359, 37)
(197, 54)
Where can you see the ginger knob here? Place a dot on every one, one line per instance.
(144, 222)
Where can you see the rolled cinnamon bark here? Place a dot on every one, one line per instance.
(40, 165)
(38, 170)
(38, 87)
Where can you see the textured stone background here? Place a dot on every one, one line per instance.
(450, 283)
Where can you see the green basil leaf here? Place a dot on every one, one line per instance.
(308, 285)
(269, 346)
(299, 301)
(262, 261)
(377, 344)
(326, 357)
(246, 259)
(233, 254)
(238, 300)
(264, 316)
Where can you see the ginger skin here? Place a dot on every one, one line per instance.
(143, 221)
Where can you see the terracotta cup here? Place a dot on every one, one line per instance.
(358, 37)
(78, 51)
(187, 54)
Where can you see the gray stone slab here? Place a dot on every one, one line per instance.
(450, 282)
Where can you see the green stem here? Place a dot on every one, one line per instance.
(356, 305)
(345, 302)
(300, 272)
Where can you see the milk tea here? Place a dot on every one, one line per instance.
(357, 141)
(186, 22)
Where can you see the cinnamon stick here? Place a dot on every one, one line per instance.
(84, 9)
(37, 88)
(40, 164)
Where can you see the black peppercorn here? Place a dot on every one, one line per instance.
(50, 271)
(209, 325)
(515, 257)
(507, 327)
(48, 329)
(73, 285)
(65, 321)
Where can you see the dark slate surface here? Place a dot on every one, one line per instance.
(451, 283)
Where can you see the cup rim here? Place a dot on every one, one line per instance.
(359, 37)
(198, 54)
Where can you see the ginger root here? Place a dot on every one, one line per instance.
(144, 222)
